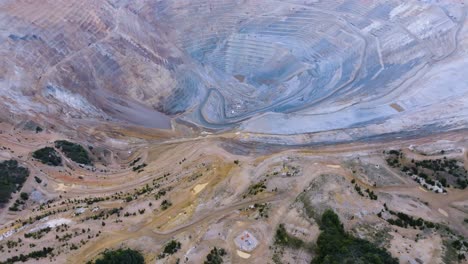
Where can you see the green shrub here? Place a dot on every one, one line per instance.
(404, 220)
(160, 193)
(12, 178)
(32, 255)
(171, 247)
(215, 256)
(334, 245)
(135, 161)
(139, 168)
(121, 256)
(24, 196)
(38, 234)
(282, 238)
(165, 204)
(256, 188)
(74, 151)
(48, 156)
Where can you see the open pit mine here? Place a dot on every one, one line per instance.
(234, 131)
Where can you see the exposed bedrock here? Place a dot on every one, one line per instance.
(273, 67)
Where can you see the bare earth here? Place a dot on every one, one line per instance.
(210, 201)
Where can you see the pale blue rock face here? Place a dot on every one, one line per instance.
(265, 61)
(273, 67)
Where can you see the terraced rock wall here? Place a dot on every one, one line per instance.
(274, 67)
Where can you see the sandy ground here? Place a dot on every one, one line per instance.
(210, 200)
(242, 254)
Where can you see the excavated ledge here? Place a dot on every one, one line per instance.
(265, 67)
